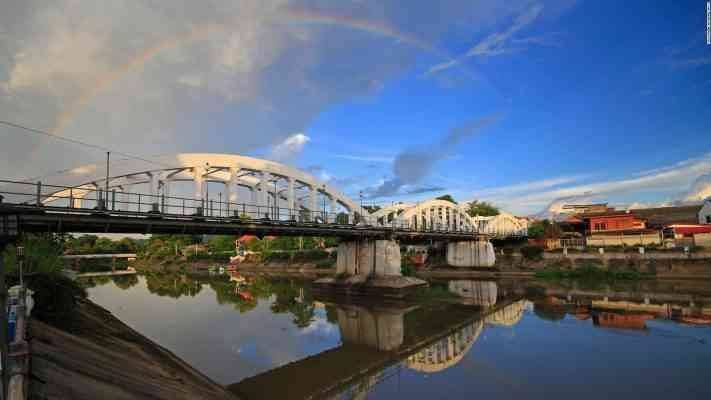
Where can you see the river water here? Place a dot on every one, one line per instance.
(273, 338)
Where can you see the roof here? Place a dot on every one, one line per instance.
(669, 215)
(691, 228)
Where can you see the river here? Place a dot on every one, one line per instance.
(273, 338)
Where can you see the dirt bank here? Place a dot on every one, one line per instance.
(96, 356)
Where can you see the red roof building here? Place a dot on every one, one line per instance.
(613, 222)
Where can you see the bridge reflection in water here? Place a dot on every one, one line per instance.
(378, 341)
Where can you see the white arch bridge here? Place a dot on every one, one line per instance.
(230, 194)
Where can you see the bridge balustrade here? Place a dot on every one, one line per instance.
(93, 199)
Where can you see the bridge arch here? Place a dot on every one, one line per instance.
(265, 181)
(502, 225)
(437, 214)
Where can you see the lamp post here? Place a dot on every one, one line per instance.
(276, 200)
(207, 186)
(360, 196)
(323, 192)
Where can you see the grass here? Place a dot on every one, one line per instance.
(588, 272)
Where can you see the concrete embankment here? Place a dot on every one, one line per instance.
(96, 356)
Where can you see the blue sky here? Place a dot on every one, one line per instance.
(519, 103)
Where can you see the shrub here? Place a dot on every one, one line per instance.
(406, 268)
(55, 295)
(532, 252)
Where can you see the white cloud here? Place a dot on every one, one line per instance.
(213, 75)
(503, 191)
(497, 43)
(365, 158)
(289, 147)
(673, 180)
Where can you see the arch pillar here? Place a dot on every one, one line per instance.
(312, 201)
(231, 186)
(262, 195)
(199, 180)
(333, 207)
(290, 200)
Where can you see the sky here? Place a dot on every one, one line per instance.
(525, 104)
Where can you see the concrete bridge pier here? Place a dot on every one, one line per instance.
(369, 258)
(476, 253)
(369, 267)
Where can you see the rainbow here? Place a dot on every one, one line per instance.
(201, 32)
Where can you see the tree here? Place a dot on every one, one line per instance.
(222, 243)
(536, 230)
(447, 197)
(482, 209)
(372, 209)
(544, 229)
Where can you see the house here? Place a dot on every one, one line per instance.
(617, 228)
(613, 221)
(705, 212)
(661, 217)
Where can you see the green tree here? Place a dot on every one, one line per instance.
(42, 254)
(482, 209)
(222, 243)
(447, 197)
(536, 230)
(372, 208)
(544, 229)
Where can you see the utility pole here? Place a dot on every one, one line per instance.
(3, 323)
(108, 158)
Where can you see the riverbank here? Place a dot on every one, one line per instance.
(96, 356)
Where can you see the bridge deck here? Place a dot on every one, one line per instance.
(28, 218)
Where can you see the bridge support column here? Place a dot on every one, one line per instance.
(369, 258)
(476, 253)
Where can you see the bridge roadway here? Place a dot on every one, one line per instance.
(18, 218)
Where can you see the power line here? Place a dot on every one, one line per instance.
(79, 142)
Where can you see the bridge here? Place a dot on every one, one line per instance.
(253, 196)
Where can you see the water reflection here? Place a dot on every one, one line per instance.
(346, 350)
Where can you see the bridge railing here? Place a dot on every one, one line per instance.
(92, 199)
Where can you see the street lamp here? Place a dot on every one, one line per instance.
(276, 201)
(207, 185)
(360, 194)
(323, 192)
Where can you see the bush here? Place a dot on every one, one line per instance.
(310, 255)
(532, 252)
(325, 264)
(406, 268)
(55, 295)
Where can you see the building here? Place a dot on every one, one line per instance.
(705, 212)
(586, 208)
(660, 217)
(613, 221)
